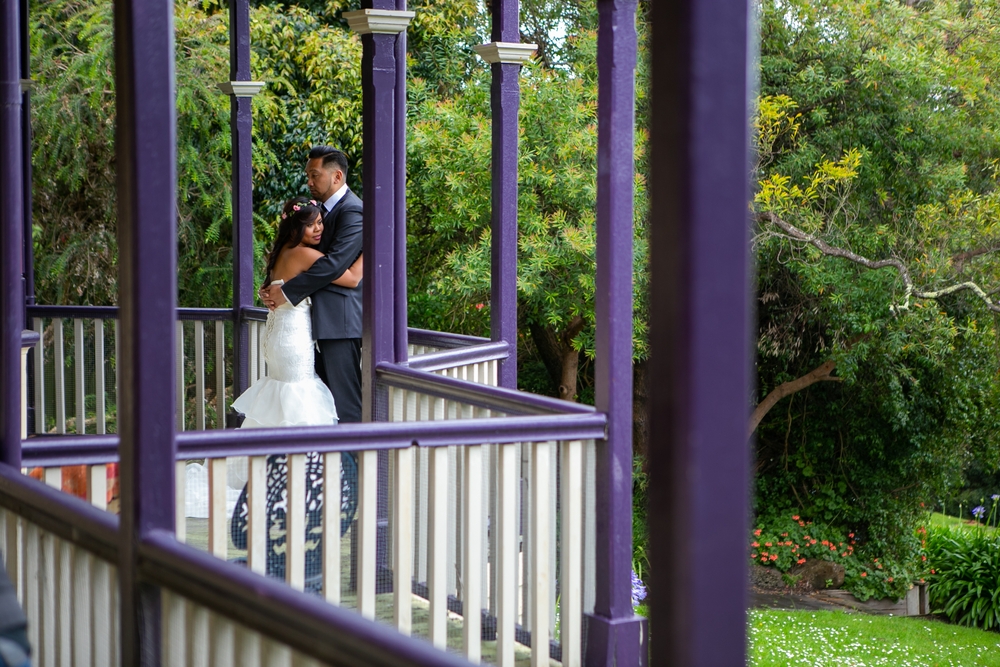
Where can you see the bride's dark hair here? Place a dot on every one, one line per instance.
(296, 213)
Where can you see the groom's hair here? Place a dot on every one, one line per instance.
(331, 156)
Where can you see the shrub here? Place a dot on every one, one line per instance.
(784, 541)
(965, 576)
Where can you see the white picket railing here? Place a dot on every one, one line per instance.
(69, 595)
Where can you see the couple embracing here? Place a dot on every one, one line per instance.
(312, 338)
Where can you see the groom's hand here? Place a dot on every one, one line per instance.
(272, 296)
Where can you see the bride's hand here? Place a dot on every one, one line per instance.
(272, 296)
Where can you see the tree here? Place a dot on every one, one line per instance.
(875, 203)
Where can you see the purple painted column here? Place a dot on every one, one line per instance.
(700, 332)
(29, 254)
(380, 26)
(11, 226)
(240, 124)
(145, 141)
(615, 636)
(505, 99)
(400, 319)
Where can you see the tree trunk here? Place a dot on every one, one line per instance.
(561, 359)
(822, 373)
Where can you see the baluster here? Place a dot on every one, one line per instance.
(421, 412)
(39, 377)
(97, 486)
(508, 515)
(103, 613)
(180, 376)
(295, 523)
(48, 600)
(218, 537)
(539, 554)
(402, 536)
(174, 625)
(331, 527)
(437, 556)
(80, 387)
(80, 603)
(252, 354)
(199, 375)
(101, 409)
(13, 545)
(472, 552)
(276, 655)
(180, 500)
(30, 586)
(198, 638)
(59, 352)
(261, 362)
(571, 552)
(257, 514)
(64, 608)
(53, 477)
(367, 514)
(248, 648)
(220, 375)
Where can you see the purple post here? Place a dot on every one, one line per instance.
(505, 98)
(147, 281)
(28, 266)
(378, 84)
(700, 332)
(615, 636)
(11, 225)
(400, 335)
(240, 124)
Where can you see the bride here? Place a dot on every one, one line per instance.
(291, 394)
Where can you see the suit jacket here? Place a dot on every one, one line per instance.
(336, 310)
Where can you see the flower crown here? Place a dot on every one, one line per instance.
(298, 207)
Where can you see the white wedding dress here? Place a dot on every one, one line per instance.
(291, 394)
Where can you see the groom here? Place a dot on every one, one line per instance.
(336, 310)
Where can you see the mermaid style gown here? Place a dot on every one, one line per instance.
(291, 394)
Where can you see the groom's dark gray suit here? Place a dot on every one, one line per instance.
(336, 310)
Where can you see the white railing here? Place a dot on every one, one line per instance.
(69, 595)
(495, 540)
(194, 635)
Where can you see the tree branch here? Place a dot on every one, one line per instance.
(911, 291)
(822, 373)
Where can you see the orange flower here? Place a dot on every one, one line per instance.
(864, 574)
(774, 556)
(767, 544)
(800, 561)
(889, 580)
(923, 557)
(795, 517)
(757, 532)
(802, 523)
(932, 571)
(755, 544)
(850, 534)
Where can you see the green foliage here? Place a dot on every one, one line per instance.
(786, 540)
(875, 133)
(965, 584)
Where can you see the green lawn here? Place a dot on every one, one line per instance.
(938, 519)
(827, 638)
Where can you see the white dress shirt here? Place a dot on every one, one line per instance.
(334, 198)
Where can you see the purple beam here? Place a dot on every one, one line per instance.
(96, 449)
(11, 227)
(28, 266)
(700, 332)
(400, 315)
(615, 634)
(145, 140)
(505, 99)
(241, 127)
